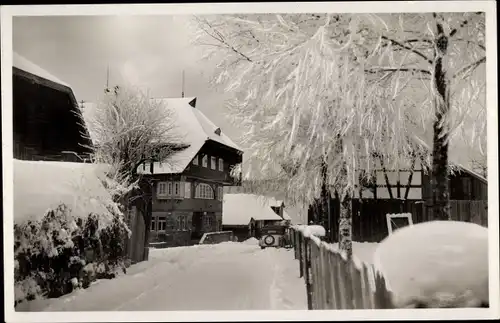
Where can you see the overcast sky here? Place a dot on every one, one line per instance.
(149, 51)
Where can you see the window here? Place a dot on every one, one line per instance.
(169, 189)
(213, 162)
(195, 160)
(220, 192)
(182, 223)
(187, 190)
(162, 190)
(208, 221)
(162, 223)
(221, 164)
(204, 161)
(204, 191)
(153, 224)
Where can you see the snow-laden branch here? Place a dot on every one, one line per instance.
(316, 78)
(397, 43)
(125, 128)
(467, 70)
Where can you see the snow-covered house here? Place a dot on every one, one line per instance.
(45, 116)
(409, 189)
(188, 189)
(245, 214)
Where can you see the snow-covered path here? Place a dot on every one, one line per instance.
(228, 276)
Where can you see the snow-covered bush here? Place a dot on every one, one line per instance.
(436, 264)
(60, 252)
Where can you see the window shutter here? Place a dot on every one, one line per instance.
(187, 190)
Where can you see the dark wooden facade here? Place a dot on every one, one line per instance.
(468, 200)
(46, 125)
(182, 220)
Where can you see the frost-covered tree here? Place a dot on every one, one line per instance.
(127, 128)
(323, 96)
(449, 48)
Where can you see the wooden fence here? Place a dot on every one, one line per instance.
(334, 282)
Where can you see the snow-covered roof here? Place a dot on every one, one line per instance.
(239, 209)
(43, 185)
(192, 127)
(22, 63)
(286, 216)
(455, 156)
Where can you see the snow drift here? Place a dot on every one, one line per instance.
(315, 230)
(42, 185)
(436, 264)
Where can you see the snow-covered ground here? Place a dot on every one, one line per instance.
(227, 276)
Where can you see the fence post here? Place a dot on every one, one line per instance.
(307, 272)
(313, 275)
(332, 271)
(357, 289)
(301, 255)
(323, 278)
(382, 297)
(328, 279)
(366, 288)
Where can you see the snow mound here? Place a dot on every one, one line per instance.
(438, 263)
(42, 185)
(251, 241)
(314, 230)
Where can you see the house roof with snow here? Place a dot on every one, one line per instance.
(239, 209)
(64, 106)
(43, 185)
(192, 128)
(21, 64)
(455, 157)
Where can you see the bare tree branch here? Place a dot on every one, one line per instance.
(469, 68)
(394, 42)
(395, 69)
(462, 24)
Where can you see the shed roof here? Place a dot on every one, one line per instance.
(239, 209)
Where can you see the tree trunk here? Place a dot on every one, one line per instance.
(146, 190)
(345, 221)
(440, 179)
(325, 219)
(345, 225)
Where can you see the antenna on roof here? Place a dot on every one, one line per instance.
(182, 94)
(107, 80)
